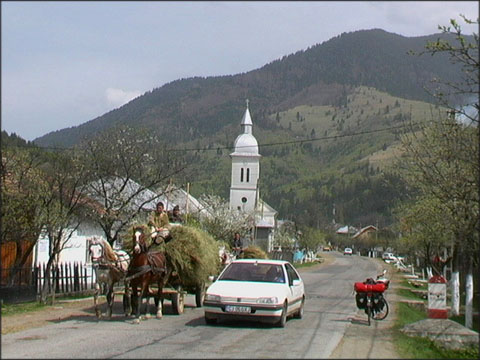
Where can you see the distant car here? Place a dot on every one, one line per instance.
(256, 289)
(327, 248)
(388, 257)
(348, 251)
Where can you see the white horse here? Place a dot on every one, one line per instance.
(110, 268)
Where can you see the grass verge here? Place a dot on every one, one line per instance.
(307, 264)
(408, 284)
(414, 347)
(22, 308)
(407, 294)
(26, 307)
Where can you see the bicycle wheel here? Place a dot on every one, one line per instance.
(383, 309)
(369, 309)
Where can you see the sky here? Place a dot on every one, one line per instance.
(66, 63)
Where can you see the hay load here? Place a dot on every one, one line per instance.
(253, 252)
(192, 252)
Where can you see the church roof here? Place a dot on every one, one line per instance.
(246, 144)
(247, 119)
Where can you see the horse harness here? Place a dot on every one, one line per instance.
(154, 265)
(103, 264)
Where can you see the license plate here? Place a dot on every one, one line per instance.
(237, 309)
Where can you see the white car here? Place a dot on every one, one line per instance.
(389, 258)
(256, 289)
(348, 251)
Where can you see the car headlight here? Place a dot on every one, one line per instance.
(267, 300)
(211, 297)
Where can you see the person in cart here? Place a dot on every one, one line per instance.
(237, 245)
(174, 216)
(159, 224)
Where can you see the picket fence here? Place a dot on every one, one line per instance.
(72, 278)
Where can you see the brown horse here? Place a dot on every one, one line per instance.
(146, 267)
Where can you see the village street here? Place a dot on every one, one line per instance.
(330, 311)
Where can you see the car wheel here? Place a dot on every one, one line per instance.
(299, 313)
(210, 320)
(283, 318)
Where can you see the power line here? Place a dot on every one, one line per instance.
(299, 141)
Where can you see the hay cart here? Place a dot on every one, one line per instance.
(193, 254)
(176, 290)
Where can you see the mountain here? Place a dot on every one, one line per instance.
(351, 84)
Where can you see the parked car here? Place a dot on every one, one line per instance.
(256, 289)
(348, 251)
(327, 248)
(388, 257)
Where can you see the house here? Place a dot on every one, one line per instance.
(173, 195)
(76, 248)
(346, 230)
(365, 232)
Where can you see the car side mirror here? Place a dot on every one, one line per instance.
(295, 282)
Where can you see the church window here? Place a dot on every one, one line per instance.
(248, 175)
(241, 175)
(244, 200)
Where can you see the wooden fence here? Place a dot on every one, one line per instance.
(66, 278)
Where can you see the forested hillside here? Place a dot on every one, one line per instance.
(327, 120)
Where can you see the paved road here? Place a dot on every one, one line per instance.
(329, 308)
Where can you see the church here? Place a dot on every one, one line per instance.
(244, 189)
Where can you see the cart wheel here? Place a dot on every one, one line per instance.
(178, 301)
(200, 295)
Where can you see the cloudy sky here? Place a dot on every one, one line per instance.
(65, 63)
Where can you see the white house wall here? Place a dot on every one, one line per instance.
(75, 249)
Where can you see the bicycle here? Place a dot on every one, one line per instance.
(369, 297)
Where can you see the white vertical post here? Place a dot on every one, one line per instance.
(468, 300)
(455, 293)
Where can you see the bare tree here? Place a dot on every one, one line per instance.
(222, 222)
(123, 167)
(61, 200)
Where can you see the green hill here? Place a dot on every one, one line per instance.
(332, 112)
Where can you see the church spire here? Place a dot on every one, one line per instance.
(246, 123)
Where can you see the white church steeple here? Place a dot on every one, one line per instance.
(245, 168)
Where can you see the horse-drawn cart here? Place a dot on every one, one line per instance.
(179, 267)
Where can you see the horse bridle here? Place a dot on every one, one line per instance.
(97, 259)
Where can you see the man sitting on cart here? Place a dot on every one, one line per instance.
(159, 224)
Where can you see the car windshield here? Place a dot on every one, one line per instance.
(254, 272)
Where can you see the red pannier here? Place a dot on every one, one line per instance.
(361, 287)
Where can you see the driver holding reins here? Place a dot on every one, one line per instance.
(160, 226)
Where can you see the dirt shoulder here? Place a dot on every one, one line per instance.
(361, 341)
(59, 311)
